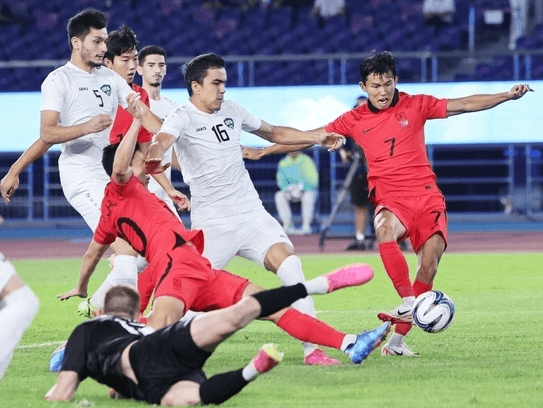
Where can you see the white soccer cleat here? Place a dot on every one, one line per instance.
(401, 314)
(398, 350)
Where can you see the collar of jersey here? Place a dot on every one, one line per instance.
(394, 102)
(71, 65)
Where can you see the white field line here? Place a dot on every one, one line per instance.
(28, 346)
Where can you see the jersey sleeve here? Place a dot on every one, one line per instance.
(75, 357)
(104, 233)
(342, 125)
(249, 122)
(52, 93)
(432, 107)
(175, 124)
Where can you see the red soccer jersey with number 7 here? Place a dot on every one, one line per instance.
(393, 143)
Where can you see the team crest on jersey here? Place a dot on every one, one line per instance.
(229, 122)
(106, 89)
(402, 119)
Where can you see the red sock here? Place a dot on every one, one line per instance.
(306, 328)
(396, 267)
(403, 328)
(420, 287)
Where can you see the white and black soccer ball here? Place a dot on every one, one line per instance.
(433, 311)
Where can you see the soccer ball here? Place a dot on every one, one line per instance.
(433, 311)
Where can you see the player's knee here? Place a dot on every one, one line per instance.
(23, 304)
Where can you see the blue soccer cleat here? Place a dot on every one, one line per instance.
(367, 342)
(57, 358)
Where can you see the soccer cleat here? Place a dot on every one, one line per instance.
(356, 246)
(399, 315)
(317, 357)
(398, 350)
(268, 357)
(367, 342)
(348, 275)
(57, 358)
(86, 308)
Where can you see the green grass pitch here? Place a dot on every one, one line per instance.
(491, 356)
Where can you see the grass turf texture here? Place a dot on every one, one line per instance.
(489, 357)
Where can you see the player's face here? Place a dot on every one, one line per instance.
(380, 89)
(210, 94)
(153, 69)
(138, 167)
(125, 65)
(92, 48)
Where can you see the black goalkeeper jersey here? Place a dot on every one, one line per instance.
(94, 350)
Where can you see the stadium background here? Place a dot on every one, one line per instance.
(286, 46)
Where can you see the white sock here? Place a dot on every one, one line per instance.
(360, 236)
(290, 273)
(141, 264)
(317, 285)
(249, 372)
(408, 302)
(347, 341)
(17, 310)
(396, 339)
(125, 272)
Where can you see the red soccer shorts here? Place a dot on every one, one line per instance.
(186, 275)
(422, 216)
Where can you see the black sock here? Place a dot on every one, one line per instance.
(273, 300)
(221, 387)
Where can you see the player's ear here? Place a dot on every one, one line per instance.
(139, 70)
(108, 63)
(363, 86)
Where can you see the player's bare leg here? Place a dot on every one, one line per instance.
(166, 310)
(281, 260)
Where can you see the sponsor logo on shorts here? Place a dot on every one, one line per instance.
(229, 122)
(106, 89)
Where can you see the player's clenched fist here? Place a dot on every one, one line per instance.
(98, 123)
(518, 91)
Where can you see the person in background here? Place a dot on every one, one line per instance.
(297, 178)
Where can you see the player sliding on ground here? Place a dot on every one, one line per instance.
(165, 366)
(177, 273)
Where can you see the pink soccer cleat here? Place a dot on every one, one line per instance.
(268, 357)
(318, 358)
(349, 275)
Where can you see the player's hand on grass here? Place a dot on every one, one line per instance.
(332, 141)
(180, 199)
(76, 292)
(8, 187)
(518, 91)
(251, 153)
(155, 166)
(98, 123)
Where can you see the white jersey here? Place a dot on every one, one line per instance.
(79, 96)
(209, 151)
(162, 108)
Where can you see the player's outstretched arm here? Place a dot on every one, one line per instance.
(476, 103)
(51, 132)
(123, 156)
(155, 155)
(90, 260)
(65, 387)
(253, 153)
(290, 136)
(10, 182)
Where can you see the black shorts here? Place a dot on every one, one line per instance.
(359, 190)
(166, 357)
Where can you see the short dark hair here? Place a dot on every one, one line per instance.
(80, 24)
(121, 300)
(196, 68)
(108, 156)
(379, 64)
(150, 50)
(120, 41)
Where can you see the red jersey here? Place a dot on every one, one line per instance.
(133, 213)
(123, 121)
(393, 142)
